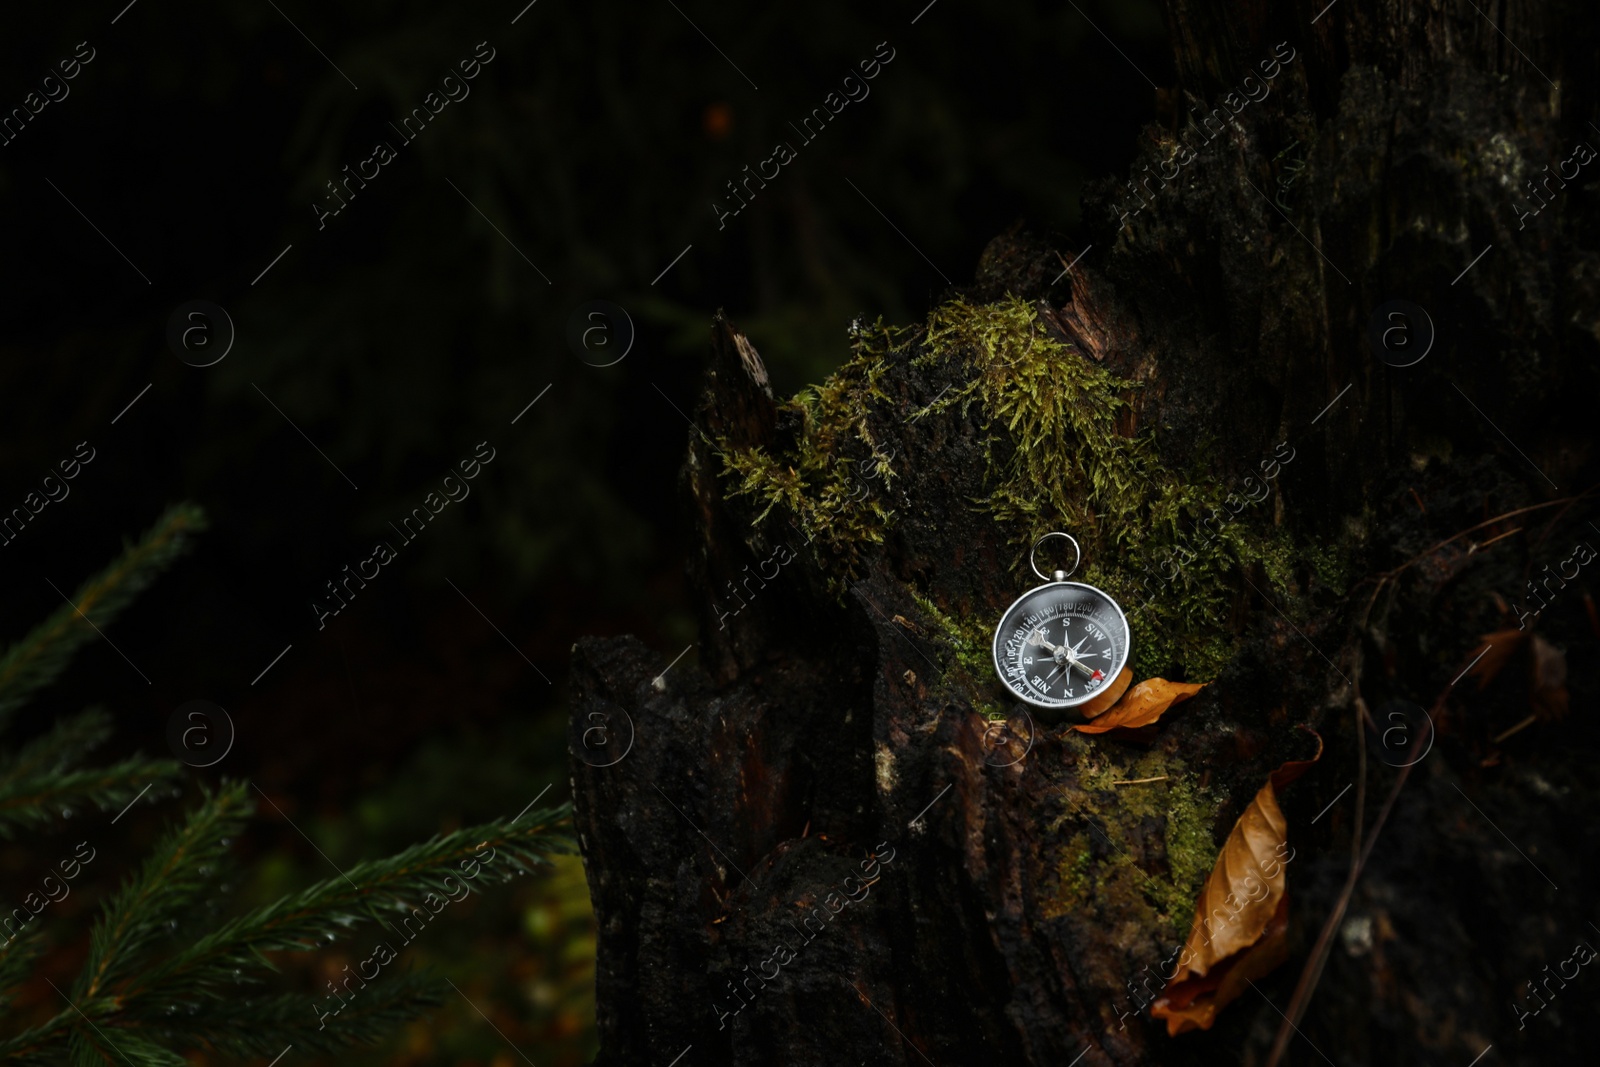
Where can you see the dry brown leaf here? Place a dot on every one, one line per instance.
(1144, 704)
(1194, 1005)
(1108, 696)
(1241, 917)
(1501, 644)
(1547, 690)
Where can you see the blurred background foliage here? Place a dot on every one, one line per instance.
(413, 325)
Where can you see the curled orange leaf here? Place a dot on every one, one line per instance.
(1108, 696)
(1194, 1004)
(1241, 918)
(1143, 704)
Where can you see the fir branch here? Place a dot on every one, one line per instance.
(64, 746)
(17, 957)
(261, 1026)
(202, 982)
(88, 1050)
(129, 1005)
(165, 887)
(39, 797)
(321, 912)
(31, 1045)
(33, 1059)
(92, 1046)
(124, 1050)
(41, 656)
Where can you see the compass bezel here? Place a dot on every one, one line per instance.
(1050, 703)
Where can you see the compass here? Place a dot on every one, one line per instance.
(1059, 644)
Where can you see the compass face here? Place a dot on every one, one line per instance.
(1060, 644)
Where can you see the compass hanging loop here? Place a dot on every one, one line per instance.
(1058, 576)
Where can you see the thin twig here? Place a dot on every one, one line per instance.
(1312, 972)
(1319, 953)
(1362, 716)
(1141, 781)
(1496, 537)
(1523, 725)
(1387, 577)
(1487, 522)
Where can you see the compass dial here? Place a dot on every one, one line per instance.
(1059, 644)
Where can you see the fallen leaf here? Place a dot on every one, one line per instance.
(1108, 696)
(1501, 644)
(1293, 769)
(1241, 917)
(1143, 705)
(1194, 1006)
(1547, 691)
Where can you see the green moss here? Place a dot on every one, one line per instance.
(1186, 812)
(825, 492)
(1056, 460)
(1075, 882)
(1191, 852)
(1059, 456)
(1331, 567)
(971, 644)
(972, 669)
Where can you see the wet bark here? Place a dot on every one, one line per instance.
(813, 747)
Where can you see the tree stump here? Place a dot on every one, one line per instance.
(818, 845)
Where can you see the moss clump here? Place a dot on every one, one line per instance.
(970, 642)
(973, 669)
(1191, 853)
(822, 488)
(1075, 885)
(1331, 567)
(1060, 456)
(1055, 460)
(1186, 812)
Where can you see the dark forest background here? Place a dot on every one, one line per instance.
(411, 328)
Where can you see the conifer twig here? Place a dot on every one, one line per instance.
(204, 982)
(143, 996)
(39, 658)
(38, 798)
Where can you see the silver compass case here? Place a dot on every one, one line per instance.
(1061, 643)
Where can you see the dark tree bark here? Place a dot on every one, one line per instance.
(1019, 909)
